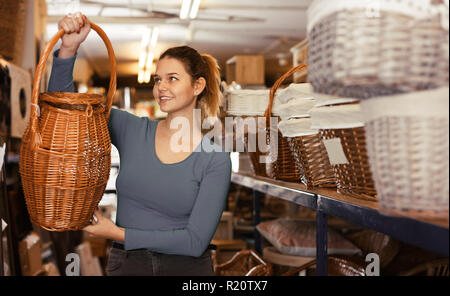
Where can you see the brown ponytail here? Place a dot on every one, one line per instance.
(209, 102)
(200, 65)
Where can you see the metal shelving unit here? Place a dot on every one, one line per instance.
(430, 235)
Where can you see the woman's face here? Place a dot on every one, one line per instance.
(173, 89)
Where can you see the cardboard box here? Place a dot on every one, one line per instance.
(245, 70)
(89, 265)
(30, 255)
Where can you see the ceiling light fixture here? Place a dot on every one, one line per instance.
(146, 37)
(141, 76)
(146, 56)
(185, 6)
(189, 8)
(194, 9)
(155, 35)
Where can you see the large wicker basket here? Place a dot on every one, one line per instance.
(408, 146)
(301, 159)
(362, 49)
(65, 156)
(342, 131)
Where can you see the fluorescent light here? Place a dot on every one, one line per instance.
(154, 36)
(149, 63)
(141, 76)
(142, 57)
(146, 38)
(185, 9)
(126, 98)
(194, 9)
(147, 76)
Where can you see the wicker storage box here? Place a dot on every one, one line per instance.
(341, 128)
(362, 49)
(408, 147)
(65, 156)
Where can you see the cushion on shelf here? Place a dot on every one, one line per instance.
(298, 237)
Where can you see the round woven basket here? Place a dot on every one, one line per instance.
(65, 155)
(341, 126)
(354, 178)
(312, 159)
(300, 159)
(361, 50)
(408, 147)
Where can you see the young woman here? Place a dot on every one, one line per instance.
(170, 200)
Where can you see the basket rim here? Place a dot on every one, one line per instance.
(72, 98)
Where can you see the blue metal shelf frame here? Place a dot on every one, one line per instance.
(422, 234)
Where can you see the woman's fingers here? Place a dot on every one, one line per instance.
(79, 18)
(76, 25)
(73, 23)
(67, 24)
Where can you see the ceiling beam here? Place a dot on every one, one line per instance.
(259, 6)
(155, 21)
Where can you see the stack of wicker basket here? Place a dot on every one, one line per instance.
(248, 132)
(393, 57)
(299, 154)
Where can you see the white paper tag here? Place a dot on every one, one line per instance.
(335, 152)
(2, 156)
(4, 224)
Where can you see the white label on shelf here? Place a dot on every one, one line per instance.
(4, 224)
(335, 152)
(2, 156)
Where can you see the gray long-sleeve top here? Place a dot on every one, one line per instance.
(166, 208)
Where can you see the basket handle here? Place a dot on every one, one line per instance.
(38, 76)
(274, 88)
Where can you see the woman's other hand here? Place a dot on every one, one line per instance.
(76, 27)
(104, 228)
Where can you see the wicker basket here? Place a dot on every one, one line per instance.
(363, 49)
(244, 263)
(408, 147)
(256, 155)
(282, 164)
(342, 131)
(301, 159)
(65, 156)
(337, 266)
